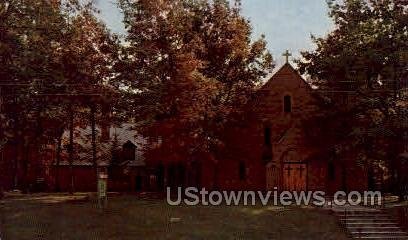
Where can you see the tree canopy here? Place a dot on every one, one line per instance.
(368, 46)
(55, 55)
(191, 64)
(362, 66)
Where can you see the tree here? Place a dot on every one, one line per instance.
(362, 66)
(369, 40)
(189, 66)
(88, 52)
(91, 53)
(57, 57)
(28, 33)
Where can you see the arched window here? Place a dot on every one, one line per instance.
(287, 104)
(267, 148)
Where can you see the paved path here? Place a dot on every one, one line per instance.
(368, 223)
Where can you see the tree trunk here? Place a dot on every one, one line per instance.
(395, 82)
(37, 147)
(93, 128)
(1, 191)
(216, 176)
(25, 184)
(344, 177)
(1, 146)
(16, 163)
(17, 155)
(58, 161)
(71, 149)
(1, 169)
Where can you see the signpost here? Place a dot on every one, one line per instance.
(102, 189)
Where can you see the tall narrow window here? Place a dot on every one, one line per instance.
(267, 136)
(287, 104)
(331, 171)
(242, 171)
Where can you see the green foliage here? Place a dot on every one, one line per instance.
(362, 65)
(370, 40)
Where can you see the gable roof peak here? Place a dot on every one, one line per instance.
(287, 65)
(283, 68)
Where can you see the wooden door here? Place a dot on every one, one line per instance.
(294, 176)
(272, 177)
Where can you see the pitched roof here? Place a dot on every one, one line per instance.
(287, 71)
(284, 72)
(122, 134)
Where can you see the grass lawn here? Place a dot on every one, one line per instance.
(129, 217)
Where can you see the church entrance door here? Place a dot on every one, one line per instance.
(295, 176)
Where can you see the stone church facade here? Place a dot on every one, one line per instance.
(271, 148)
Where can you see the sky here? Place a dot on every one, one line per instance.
(286, 24)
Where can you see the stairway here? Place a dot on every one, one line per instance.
(368, 223)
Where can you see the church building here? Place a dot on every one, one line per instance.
(273, 146)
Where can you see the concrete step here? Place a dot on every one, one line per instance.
(351, 218)
(364, 215)
(372, 224)
(382, 237)
(364, 225)
(363, 232)
(359, 213)
(368, 220)
(357, 210)
(373, 229)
